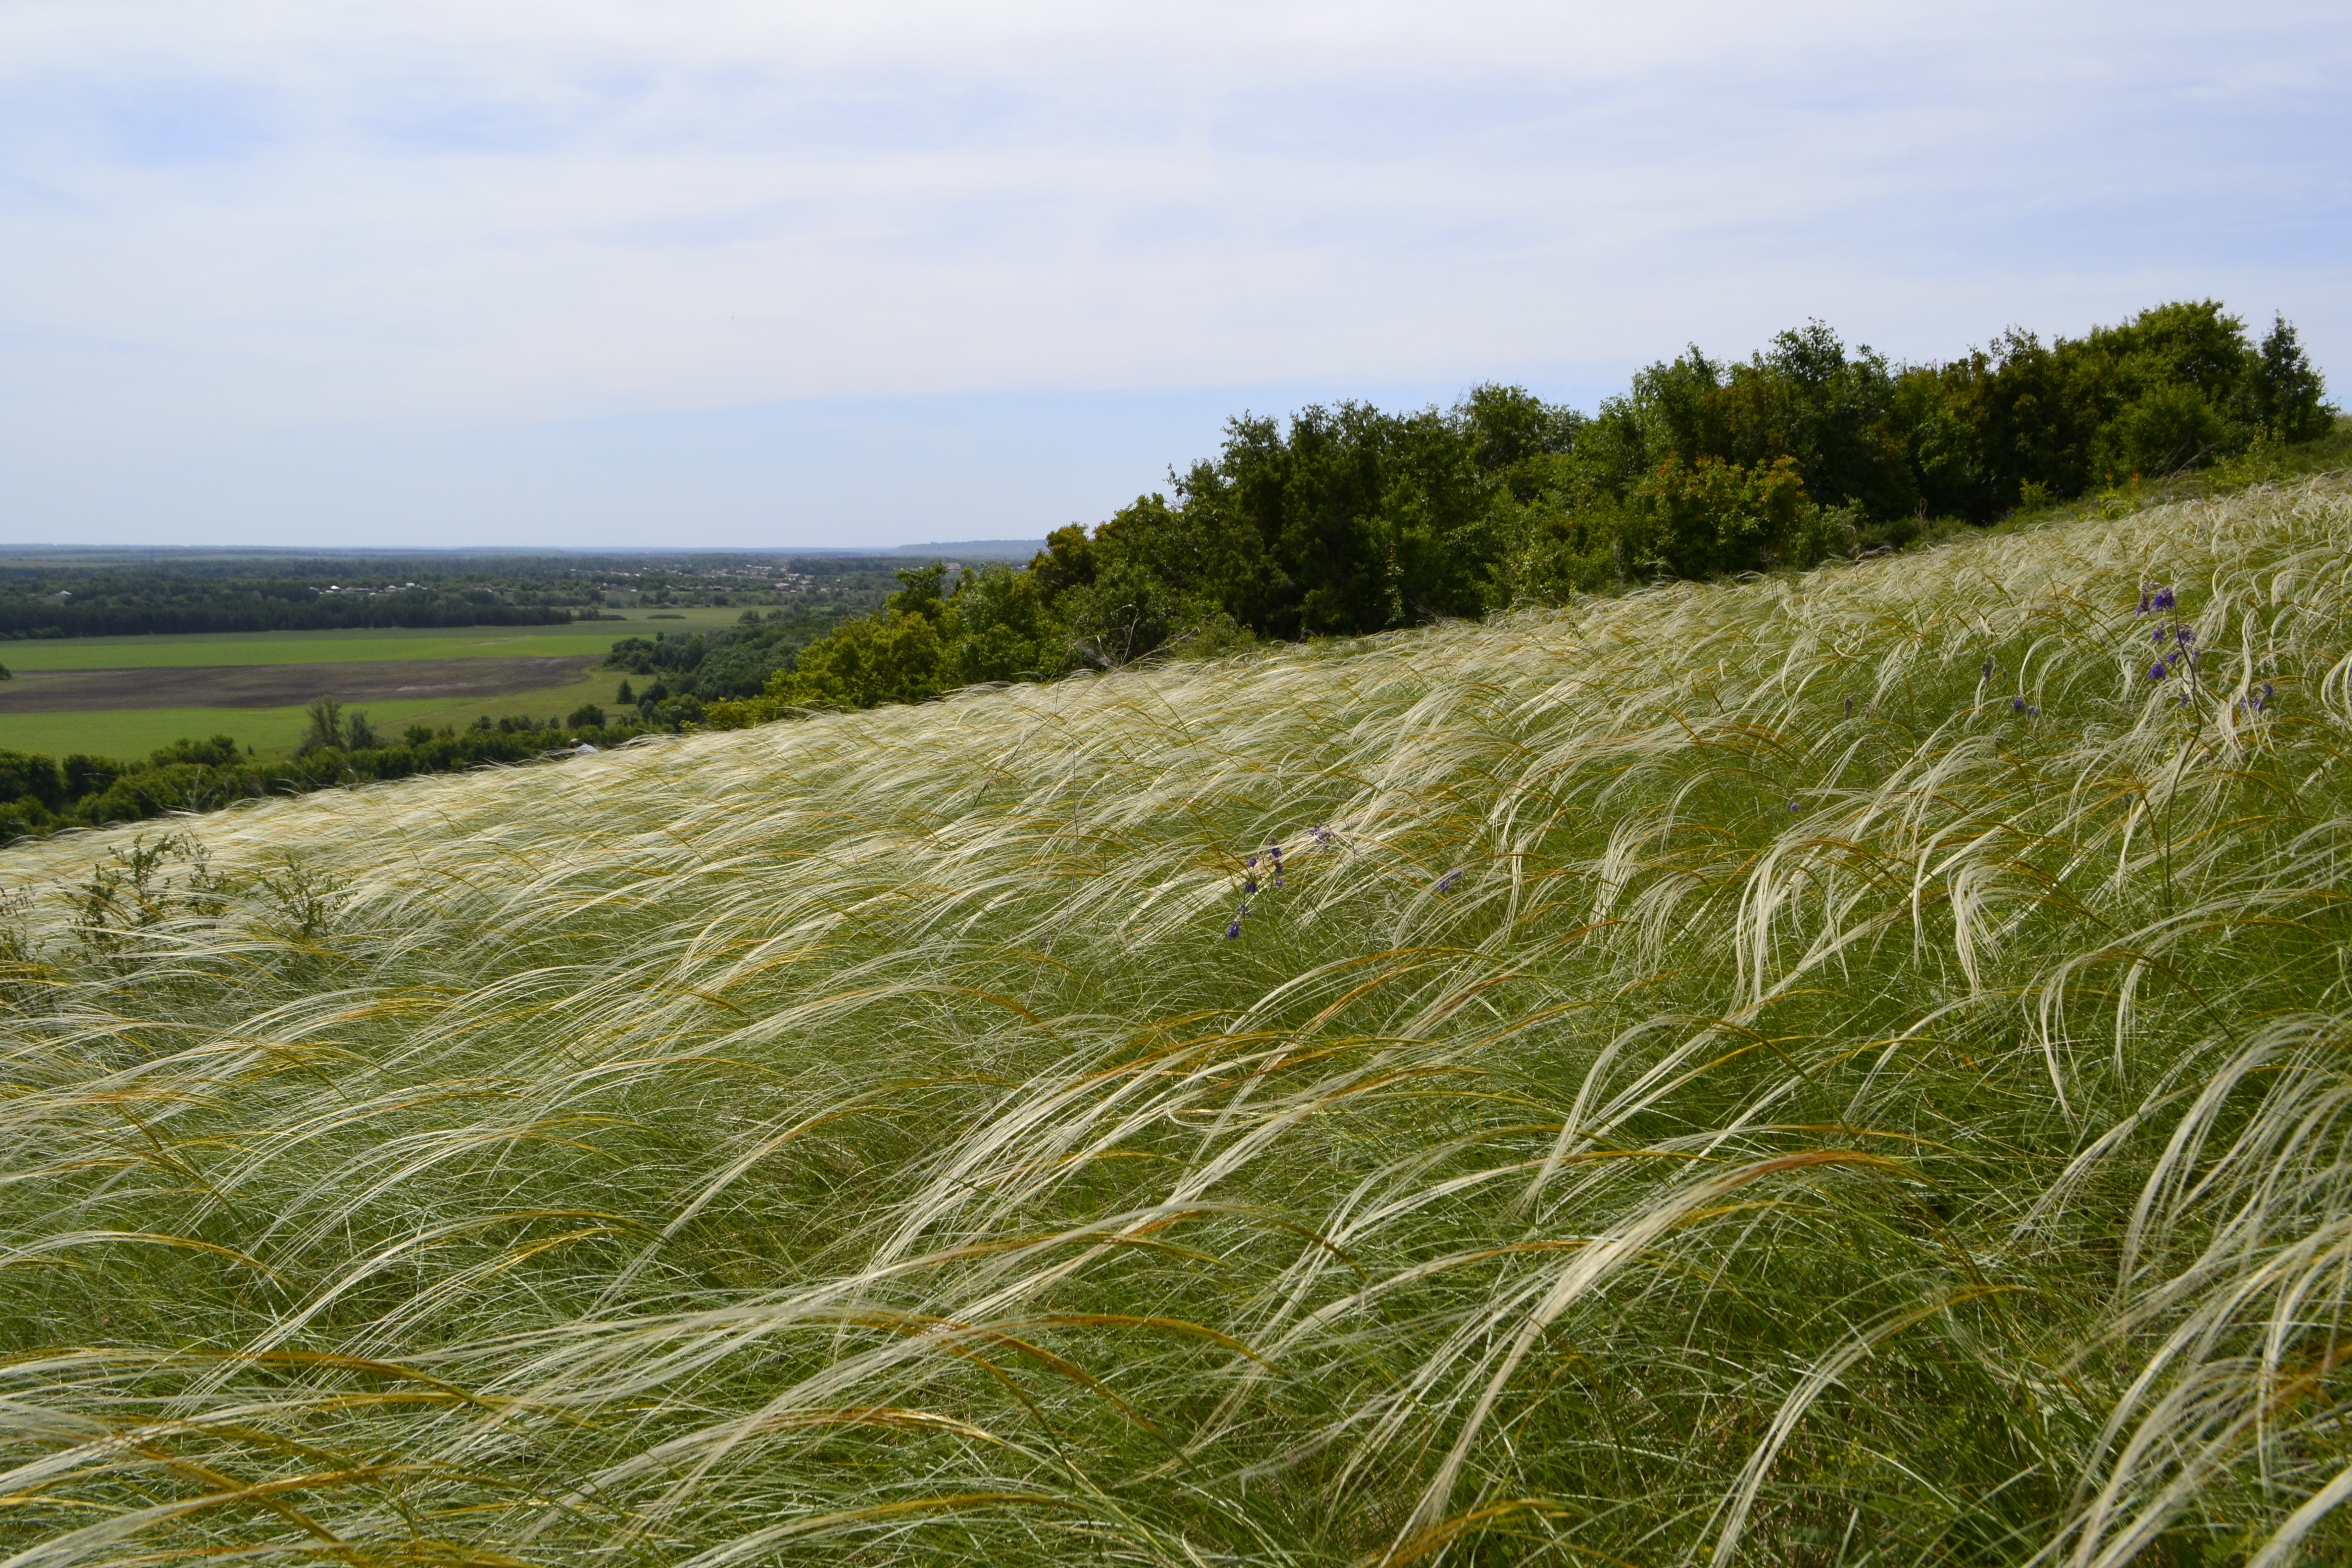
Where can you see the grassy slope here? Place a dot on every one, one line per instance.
(1798, 1134)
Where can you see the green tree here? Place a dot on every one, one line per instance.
(1697, 520)
(1169, 574)
(893, 656)
(29, 776)
(2166, 429)
(1005, 628)
(2289, 398)
(324, 727)
(1068, 560)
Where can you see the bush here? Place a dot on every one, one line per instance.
(87, 775)
(218, 752)
(28, 776)
(1712, 517)
(893, 657)
(2166, 431)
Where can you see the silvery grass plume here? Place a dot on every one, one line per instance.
(1671, 1111)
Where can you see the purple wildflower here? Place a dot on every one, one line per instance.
(1988, 668)
(2142, 601)
(2156, 671)
(1233, 931)
(2262, 699)
(2163, 600)
(1321, 834)
(1445, 883)
(2016, 704)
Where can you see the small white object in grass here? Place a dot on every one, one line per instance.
(584, 749)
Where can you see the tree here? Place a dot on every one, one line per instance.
(325, 728)
(1005, 628)
(1700, 519)
(2289, 398)
(893, 656)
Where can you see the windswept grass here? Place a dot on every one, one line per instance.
(1832, 1117)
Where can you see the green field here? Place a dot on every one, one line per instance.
(1829, 1069)
(134, 733)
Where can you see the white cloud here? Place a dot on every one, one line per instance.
(249, 217)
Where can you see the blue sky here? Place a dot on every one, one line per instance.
(587, 273)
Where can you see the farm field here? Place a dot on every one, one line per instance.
(325, 647)
(126, 696)
(1836, 1070)
(133, 733)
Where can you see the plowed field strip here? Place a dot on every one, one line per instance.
(278, 685)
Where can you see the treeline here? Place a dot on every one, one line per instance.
(1349, 519)
(41, 795)
(132, 604)
(112, 594)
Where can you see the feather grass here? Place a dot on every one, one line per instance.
(1836, 1070)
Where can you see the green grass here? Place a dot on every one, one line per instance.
(1718, 1082)
(133, 733)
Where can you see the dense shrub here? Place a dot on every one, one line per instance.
(27, 777)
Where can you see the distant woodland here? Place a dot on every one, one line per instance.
(66, 593)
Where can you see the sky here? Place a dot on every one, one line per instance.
(582, 273)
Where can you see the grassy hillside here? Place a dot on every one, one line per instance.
(1842, 1069)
